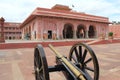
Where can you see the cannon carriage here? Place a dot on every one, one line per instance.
(81, 64)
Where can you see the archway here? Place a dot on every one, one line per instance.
(13, 37)
(6, 37)
(10, 37)
(80, 33)
(68, 31)
(91, 32)
(49, 34)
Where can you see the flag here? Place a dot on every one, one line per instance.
(72, 5)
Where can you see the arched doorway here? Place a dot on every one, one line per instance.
(91, 32)
(10, 37)
(29, 31)
(13, 37)
(68, 31)
(6, 37)
(80, 33)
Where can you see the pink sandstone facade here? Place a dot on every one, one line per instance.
(60, 22)
(115, 28)
(12, 31)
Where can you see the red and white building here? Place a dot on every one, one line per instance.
(60, 22)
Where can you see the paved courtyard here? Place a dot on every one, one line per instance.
(17, 64)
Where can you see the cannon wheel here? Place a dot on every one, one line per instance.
(40, 64)
(84, 56)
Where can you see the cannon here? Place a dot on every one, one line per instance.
(81, 64)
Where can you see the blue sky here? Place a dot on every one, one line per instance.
(19, 10)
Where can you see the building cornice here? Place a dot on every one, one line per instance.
(65, 14)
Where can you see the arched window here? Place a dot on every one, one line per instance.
(68, 31)
(80, 33)
(10, 37)
(91, 32)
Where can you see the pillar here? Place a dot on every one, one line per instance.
(74, 34)
(23, 33)
(95, 34)
(45, 35)
(54, 35)
(74, 31)
(86, 34)
(2, 39)
(87, 29)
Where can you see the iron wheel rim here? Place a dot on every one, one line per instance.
(81, 51)
(40, 64)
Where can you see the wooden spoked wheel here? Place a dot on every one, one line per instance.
(84, 56)
(40, 64)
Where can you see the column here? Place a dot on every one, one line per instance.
(95, 33)
(57, 32)
(54, 36)
(86, 32)
(2, 39)
(74, 32)
(45, 35)
(23, 32)
(60, 28)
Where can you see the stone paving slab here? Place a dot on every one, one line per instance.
(17, 64)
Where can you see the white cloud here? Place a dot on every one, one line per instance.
(19, 10)
(107, 8)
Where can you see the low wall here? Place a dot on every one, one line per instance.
(33, 44)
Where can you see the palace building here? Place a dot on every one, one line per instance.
(61, 22)
(12, 31)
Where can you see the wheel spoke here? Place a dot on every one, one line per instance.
(84, 56)
(88, 68)
(38, 76)
(41, 77)
(73, 57)
(40, 70)
(36, 62)
(76, 53)
(80, 53)
(87, 61)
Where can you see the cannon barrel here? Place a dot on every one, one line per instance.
(71, 66)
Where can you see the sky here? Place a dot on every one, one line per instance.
(19, 10)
